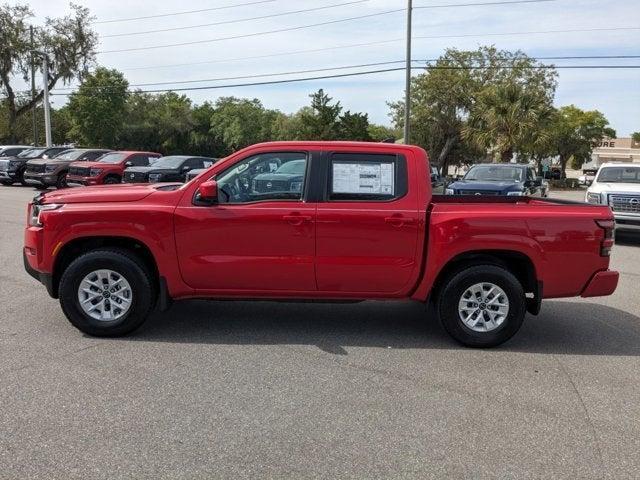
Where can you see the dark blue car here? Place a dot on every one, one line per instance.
(499, 179)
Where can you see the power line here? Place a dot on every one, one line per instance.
(379, 42)
(227, 22)
(226, 7)
(301, 27)
(369, 72)
(343, 67)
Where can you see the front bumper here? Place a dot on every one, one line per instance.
(77, 181)
(627, 222)
(45, 179)
(8, 175)
(601, 284)
(44, 278)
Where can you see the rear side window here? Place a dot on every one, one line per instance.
(366, 177)
(140, 160)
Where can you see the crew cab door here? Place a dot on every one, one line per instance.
(251, 240)
(367, 225)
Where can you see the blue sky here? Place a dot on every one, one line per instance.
(614, 92)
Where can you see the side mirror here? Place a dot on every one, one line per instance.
(208, 191)
(45, 157)
(128, 164)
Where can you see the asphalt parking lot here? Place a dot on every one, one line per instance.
(268, 390)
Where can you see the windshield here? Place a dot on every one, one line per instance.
(70, 155)
(619, 175)
(495, 173)
(32, 153)
(113, 158)
(169, 162)
(296, 167)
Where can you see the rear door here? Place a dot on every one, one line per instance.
(367, 225)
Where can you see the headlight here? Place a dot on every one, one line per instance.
(50, 168)
(295, 187)
(36, 212)
(593, 198)
(449, 191)
(94, 172)
(515, 194)
(155, 177)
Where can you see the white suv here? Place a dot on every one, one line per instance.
(618, 185)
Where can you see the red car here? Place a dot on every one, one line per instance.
(108, 168)
(361, 223)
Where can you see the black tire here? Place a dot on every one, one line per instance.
(456, 285)
(6, 183)
(61, 182)
(112, 179)
(20, 177)
(126, 265)
(41, 187)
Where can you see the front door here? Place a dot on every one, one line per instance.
(260, 236)
(368, 225)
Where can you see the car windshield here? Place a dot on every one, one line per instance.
(113, 158)
(32, 153)
(169, 162)
(296, 167)
(494, 173)
(70, 155)
(619, 175)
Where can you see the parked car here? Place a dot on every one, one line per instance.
(191, 174)
(588, 174)
(363, 226)
(287, 177)
(437, 181)
(166, 169)
(553, 173)
(12, 168)
(12, 150)
(499, 179)
(618, 186)
(53, 172)
(107, 169)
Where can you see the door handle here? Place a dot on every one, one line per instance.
(399, 221)
(296, 219)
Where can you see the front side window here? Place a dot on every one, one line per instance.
(266, 176)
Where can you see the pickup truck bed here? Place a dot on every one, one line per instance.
(360, 224)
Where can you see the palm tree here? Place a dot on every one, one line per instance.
(504, 118)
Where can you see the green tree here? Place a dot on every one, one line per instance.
(97, 109)
(322, 120)
(378, 133)
(575, 133)
(354, 126)
(635, 136)
(239, 122)
(69, 43)
(504, 117)
(443, 97)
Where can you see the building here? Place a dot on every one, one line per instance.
(614, 150)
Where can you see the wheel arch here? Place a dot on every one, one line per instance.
(517, 263)
(70, 250)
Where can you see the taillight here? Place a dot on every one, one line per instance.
(607, 241)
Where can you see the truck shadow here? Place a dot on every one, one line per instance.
(562, 327)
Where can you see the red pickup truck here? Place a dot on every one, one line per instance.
(108, 169)
(357, 222)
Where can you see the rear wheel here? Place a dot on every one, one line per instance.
(20, 177)
(111, 180)
(6, 183)
(107, 293)
(62, 181)
(482, 306)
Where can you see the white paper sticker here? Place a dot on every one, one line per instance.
(371, 178)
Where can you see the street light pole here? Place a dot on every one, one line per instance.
(45, 91)
(34, 110)
(407, 87)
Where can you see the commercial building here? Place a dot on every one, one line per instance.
(615, 150)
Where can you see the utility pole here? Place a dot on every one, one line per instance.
(45, 90)
(407, 87)
(33, 92)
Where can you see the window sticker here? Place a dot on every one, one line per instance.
(363, 178)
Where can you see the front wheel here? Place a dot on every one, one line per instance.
(6, 183)
(482, 306)
(62, 181)
(106, 293)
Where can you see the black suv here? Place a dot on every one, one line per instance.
(173, 168)
(12, 168)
